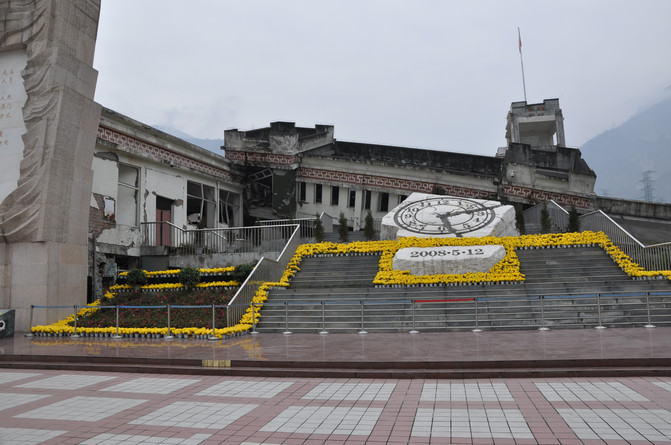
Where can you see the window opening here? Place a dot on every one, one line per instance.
(301, 191)
(335, 195)
(366, 199)
(127, 194)
(318, 193)
(384, 202)
(200, 204)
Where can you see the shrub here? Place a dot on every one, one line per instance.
(319, 230)
(519, 220)
(369, 229)
(343, 230)
(137, 277)
(573, 220)
(189, 276)
(546, 222)
(241, 272)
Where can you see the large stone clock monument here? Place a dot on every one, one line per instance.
(423, 215)
(437, 216)
(48, 124)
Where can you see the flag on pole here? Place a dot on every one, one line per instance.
(519, 39)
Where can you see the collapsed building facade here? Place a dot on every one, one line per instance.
(294, 172)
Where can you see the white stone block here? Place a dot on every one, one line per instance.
(423, 215)
(448, 259)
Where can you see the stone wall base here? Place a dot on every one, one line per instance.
(42, 274)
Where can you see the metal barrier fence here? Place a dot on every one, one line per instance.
(653, 257)
(558, 217)
(307, 225)
(266, 270)
(209, 241)
(644, 309)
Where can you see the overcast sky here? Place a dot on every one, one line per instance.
(428, 74)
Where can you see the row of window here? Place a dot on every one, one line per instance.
(382, 201)
(200, 202)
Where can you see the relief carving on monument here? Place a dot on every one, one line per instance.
(58, 84)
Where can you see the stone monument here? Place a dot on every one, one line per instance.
(48, 124)
(424, 215)
(437, 216)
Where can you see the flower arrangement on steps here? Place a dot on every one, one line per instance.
(505, 271)
(186, 275)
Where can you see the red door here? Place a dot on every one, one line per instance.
(162, 229)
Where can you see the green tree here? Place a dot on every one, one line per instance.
(369, 228)
(519, 220)
(546, 222)
(343, 230)
(319, 229)
(573, 220)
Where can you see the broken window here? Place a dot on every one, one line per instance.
(352, 198)
(228, 203)
(200, 204)
(260, 186)
(127, 194)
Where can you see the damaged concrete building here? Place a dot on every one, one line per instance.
(150, 188)
(147, 185)
(294, 172)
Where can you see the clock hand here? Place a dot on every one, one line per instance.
(445, 219)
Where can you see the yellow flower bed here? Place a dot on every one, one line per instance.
(505, 271)
(174, 272)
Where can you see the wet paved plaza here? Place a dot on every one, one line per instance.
(70, 406)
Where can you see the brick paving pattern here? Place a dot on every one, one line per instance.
(105, 408)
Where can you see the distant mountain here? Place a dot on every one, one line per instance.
(213, 145)
(622, 156)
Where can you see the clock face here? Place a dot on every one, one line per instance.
(443, 216)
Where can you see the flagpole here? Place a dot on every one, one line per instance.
(524, 85)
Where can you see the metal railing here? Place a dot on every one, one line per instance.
(598, 310)
(307, 225)
(653, 257)
(181, 241)
(266, 270)
(558, 217)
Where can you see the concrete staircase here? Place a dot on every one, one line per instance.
(336, 294)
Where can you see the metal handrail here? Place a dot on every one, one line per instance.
(558, 216)
(266, 270)
(652, 257)
(537, 312)
(543, 311)
(219, 240)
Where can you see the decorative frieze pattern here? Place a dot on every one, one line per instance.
(270, 158)
(144, 148)
(385, 182)
(543, 196)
